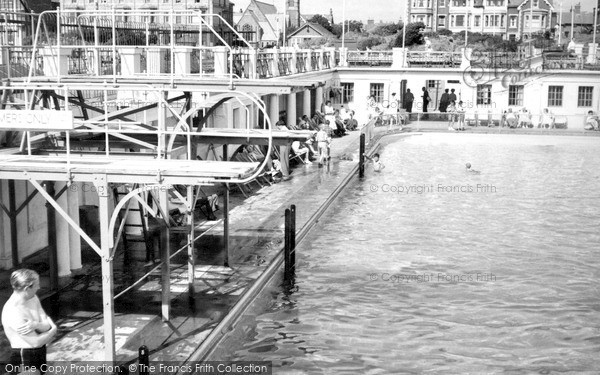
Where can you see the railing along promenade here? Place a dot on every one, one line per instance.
(103, 43)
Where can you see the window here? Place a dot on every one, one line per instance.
(442, 21)
(377, 91)
(484, 94)
(347, 92)
(536, 3)
(513, 21)
(555, 96)
(584, 97)
(515, 95)
(460, 20)
(477, 21)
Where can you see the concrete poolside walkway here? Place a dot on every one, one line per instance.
(256, 236)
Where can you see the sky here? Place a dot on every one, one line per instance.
(361, 10)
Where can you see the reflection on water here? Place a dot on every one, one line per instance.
(452, 272)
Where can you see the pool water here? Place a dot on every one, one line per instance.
(427, 268)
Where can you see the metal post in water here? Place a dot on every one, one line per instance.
(286, 244)
(293, 238)
(143, 360)
(361, 156)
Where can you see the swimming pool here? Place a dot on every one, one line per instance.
(425, 267)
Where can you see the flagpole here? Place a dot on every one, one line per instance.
(560, 23)
(595, 30)
(405, 23)
(531, 27)
(285, 5)
(343, 23)
(572, 21)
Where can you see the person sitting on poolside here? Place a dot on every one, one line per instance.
(525, 119)
(592, 122)
(468, 165)
(511, 119)
(351, 124)
(377, 164)
(301, 151)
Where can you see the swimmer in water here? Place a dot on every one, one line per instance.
(377, 164)
(471, 170)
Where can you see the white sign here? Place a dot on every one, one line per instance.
(39, 120)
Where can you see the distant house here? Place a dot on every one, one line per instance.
(262, 24)
(583, 22)
(309, 32)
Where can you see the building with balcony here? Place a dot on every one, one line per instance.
(17, 19)
(507, 18)
(158, 12)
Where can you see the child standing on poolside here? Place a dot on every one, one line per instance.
(323, 140)
(377, 164)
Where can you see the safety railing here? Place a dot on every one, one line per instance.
(434, 59)
(285, 63)
(301, 61)
(497, 60)
(516, 119)
(19, 61)
(98, 42)
(314, 61)
(264, 62)
(241, 65)
(370, 58)
(326, 60)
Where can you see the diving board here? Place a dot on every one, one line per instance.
(252, 136)
(122, 170)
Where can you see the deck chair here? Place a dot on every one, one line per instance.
(255, 155)
(240, 155)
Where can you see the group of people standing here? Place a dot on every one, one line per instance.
(447, 98)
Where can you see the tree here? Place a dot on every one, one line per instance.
(369, 42)
(414, 35)
(355, 26)
(387, 29)
(317, 18)
(351, 26)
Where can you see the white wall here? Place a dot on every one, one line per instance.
(535, 84)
